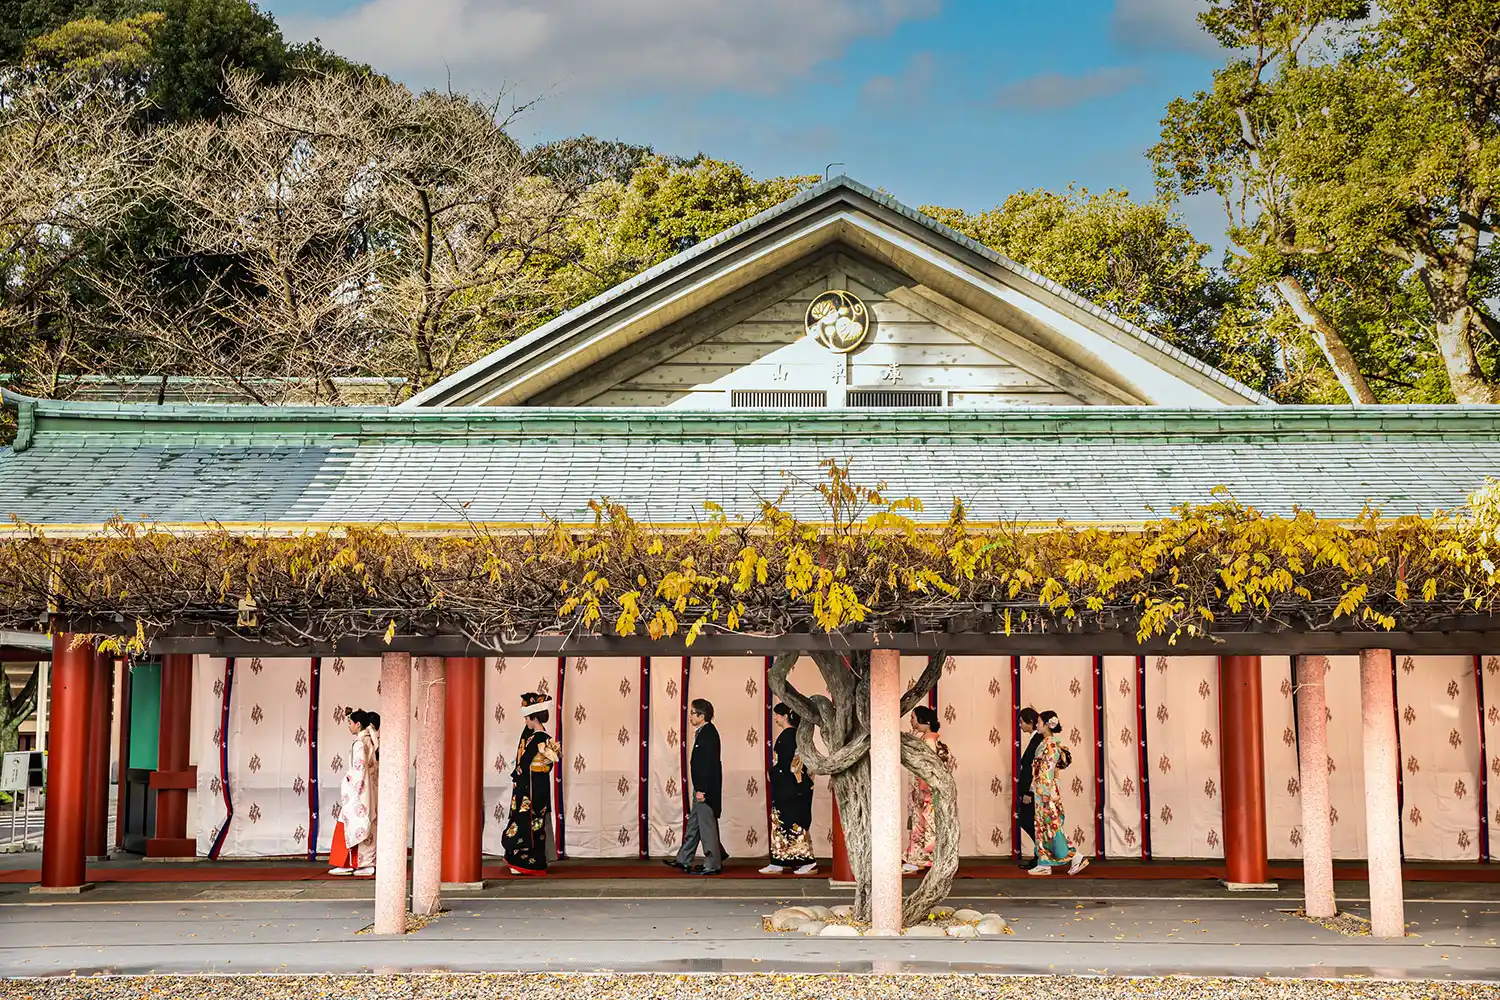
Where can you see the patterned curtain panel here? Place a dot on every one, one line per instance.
(665, 747)
(1436, 699)
(345, 684)
(1489, 708)
(974, 703)
(1182, 751)
(1283, 774)
(1123, 794)
(602, 758)
(268, 759)
(505, 680)
(1065, 685)
(807, 678)
(254, 722)
(737, 687)
(208, 803)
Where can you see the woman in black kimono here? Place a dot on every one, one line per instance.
(525, 838)
(791, 801)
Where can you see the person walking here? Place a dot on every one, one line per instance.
(1026, 809)
(353, 850)
(922, 841)
(707, 772)
(525, 837)
(1052, 847)
(791, 801)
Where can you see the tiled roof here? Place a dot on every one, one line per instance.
(80, 464)
(446, 389)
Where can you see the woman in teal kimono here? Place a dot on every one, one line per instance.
(1052, 847)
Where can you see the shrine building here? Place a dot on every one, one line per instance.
(839, 325)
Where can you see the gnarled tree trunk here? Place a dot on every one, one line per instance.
(843, 719)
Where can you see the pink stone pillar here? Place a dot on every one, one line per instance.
(1312, 758)
(1382, 802)
(427, 838)
(395, 779)
(885, 792)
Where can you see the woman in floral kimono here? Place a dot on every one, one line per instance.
(1052, 847)
(525, 838)
(353, 851)
(922, 842)
(791, 801)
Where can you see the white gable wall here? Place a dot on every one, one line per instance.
(904, 350)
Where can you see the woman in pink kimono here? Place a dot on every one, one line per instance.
(1052, 847)
(353, 851)
(922, 842)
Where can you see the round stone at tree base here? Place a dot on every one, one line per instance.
(839, 930)
(925, 931)
(991, 925)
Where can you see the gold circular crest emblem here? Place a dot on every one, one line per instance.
(838, 320)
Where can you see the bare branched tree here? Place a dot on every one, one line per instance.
(364, 229)
(68, 161)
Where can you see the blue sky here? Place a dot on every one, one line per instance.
(952, 102)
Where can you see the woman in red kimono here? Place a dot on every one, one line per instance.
(353, 851)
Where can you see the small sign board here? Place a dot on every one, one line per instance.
(14, 772)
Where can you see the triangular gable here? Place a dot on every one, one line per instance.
(1067, 349)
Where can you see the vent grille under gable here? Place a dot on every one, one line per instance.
(778, 399)
(894, 398)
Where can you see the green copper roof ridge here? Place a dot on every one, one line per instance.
(45, 422)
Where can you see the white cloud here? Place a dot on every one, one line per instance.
(1161, 24)
(1052, 91)
(910, 87)
(601, 47)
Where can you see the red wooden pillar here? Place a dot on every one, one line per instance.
(842, 871)
(463, 772)
(173, 777)
(63, 860)
(1242, 765)
(101, 717)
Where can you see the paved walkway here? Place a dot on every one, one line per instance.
(713, 926)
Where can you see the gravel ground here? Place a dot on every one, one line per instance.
(711, 987)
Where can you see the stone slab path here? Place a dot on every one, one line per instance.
(1455, 935)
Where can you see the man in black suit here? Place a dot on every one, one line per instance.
(708, 795)
(1026, 818)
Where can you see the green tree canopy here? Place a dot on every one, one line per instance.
(1136, 259)
(1358, 160)
(667, 206)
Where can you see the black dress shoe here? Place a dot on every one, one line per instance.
(672, 863)
(700, 870)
